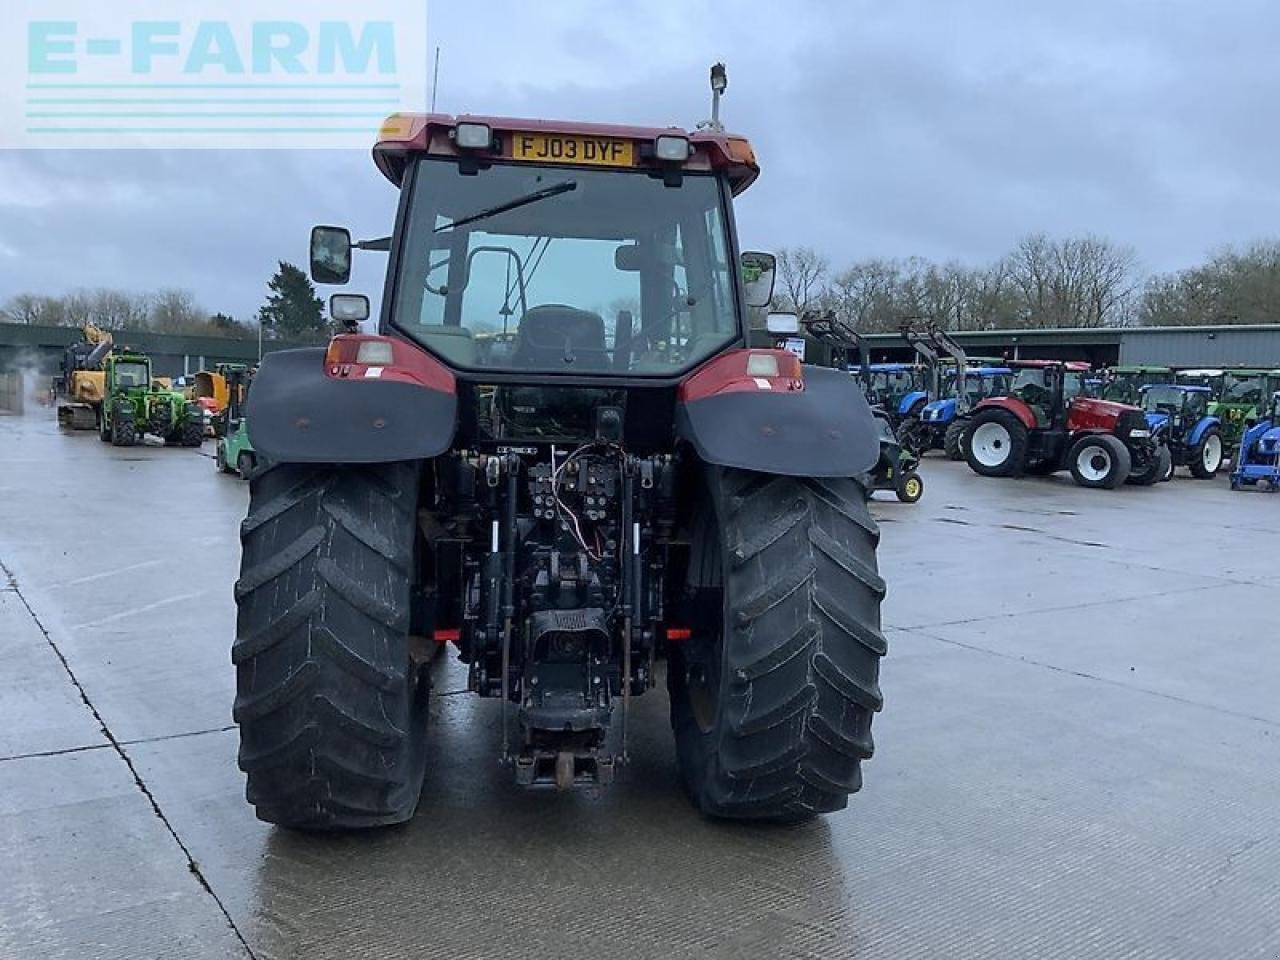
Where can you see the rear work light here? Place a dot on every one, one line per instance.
(473, 136)
(672, 149)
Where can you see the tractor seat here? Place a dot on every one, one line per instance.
(558, 336)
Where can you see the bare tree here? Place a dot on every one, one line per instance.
(866, 294)
(803, 272)
(1077, 282)
(1232, 287)
(23, 308)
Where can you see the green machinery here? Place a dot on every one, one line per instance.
(133, 406)
(1239, 396)
(233, 452)
(1124, 383)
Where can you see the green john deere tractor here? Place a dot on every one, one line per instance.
(1124, 383)
(1238, 398)
(132, 406)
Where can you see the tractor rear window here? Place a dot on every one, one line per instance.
(566, 270)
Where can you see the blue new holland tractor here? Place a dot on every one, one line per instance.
(899, 388)
(1179, 419)
(954, 388)
(1258, 460)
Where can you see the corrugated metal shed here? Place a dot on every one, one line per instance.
(1210, 346)
(1217, 346)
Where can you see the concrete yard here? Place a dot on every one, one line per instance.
(1079, 754)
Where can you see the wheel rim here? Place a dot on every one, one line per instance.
(991, 444)
(1212, 453)
(1093, 463)
(913, 488)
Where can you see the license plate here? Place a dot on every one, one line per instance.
(560, 148)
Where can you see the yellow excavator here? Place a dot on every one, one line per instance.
(80, 387)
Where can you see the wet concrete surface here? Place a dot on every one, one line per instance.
(1079, 755)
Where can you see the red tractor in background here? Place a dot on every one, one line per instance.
(1049, 422)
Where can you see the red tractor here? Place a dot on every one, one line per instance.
(1048, 422)
(559, 456)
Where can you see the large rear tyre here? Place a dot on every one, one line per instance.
(1206, 457)
(1099, 461)
(995, 444)
(953, 440)
(331, 707)
(772, 696)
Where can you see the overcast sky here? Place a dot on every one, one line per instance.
(940, 129)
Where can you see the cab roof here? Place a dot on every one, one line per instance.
(1075, 366)
(405, 134)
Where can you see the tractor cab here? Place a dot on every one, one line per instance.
(127, 372)
(895, 386)
(1047, 387)
(553, 249)
(1174, 403)
(1124, 384)
(1244, 395)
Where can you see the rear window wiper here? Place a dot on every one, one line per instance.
(554, 190)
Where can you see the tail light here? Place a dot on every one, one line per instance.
(777, 371)
(366, 357)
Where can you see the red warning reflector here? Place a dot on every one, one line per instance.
(679, 633)
(447, 636)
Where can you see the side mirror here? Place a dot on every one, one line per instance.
(626, 257)
(330, 254)
(349, 309)
(758, 271)
(782, 324)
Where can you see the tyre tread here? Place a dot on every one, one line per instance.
(794, 722)
(329, 715)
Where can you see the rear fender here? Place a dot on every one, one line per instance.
(823, 428)
(305, 410)
(1013, 405)
(1200, 428)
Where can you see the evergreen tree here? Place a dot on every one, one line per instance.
(292, 307)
